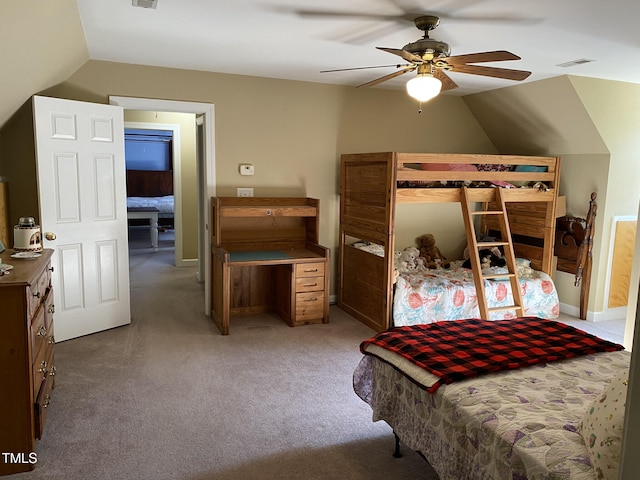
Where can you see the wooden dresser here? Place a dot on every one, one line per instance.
(266, 257)
(27, 366)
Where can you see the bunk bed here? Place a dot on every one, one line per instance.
(371, 184)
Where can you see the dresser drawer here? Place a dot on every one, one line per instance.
(309, 269)
(43, 364)
(42, 405)
(38, 333)
(309, 284)
(38, 290)
(49, 310)
(309, 306)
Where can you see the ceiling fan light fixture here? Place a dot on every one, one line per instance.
(424, 87)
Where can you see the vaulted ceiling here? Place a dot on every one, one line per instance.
(297, 39)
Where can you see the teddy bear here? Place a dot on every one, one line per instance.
(406, 261)
(433, 257)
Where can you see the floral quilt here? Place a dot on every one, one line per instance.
(450, 294)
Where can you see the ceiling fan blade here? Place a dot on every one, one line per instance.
(330, 14)
(409, 57)
(365, 68)
(408, 16)
(505, 73)
(496, 56)
(387, 77)
(447, 83)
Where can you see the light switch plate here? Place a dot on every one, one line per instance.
(246, 169)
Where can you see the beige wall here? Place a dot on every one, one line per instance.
(42, 44)
(613, 108)
(371, 122)
(292, 132)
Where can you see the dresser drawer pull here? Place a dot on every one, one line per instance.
(43, 367)
(47, 401)
(310, 270)
(52, 309)
(52, 373)
(37, 295)
(42, 332)
(312, 299)
(52, 340)
(310, 285)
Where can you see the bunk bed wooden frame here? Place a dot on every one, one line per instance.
(369, 192)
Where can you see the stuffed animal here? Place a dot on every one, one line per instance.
(488, 259)
(481, 237)
(433, 257)
(406, 262)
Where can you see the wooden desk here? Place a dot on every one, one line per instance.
(265, 257)
(148, 213)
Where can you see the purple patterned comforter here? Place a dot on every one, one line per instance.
(519, 424)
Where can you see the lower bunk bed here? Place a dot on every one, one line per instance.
(449, 294)
(551, 413)
(432, 295)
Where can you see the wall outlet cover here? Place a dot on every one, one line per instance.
(244, 192)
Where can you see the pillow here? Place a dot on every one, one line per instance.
(601, 427)
(530, 168)
(494, 167)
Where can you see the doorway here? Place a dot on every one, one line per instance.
(205, 170)
(143, 152)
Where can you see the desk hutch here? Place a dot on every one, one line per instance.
(266, 257)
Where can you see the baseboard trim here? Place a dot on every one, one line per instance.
(608, 314)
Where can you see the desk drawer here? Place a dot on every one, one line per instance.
(309, 306)
(309, 284)
(309, 269)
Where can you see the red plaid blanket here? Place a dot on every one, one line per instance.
(460, 349)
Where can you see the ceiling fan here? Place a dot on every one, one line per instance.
(432, 59)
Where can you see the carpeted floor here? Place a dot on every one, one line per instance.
(168, 397)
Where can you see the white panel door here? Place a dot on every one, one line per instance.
(81, 183)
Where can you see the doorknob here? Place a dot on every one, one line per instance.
(50, 236)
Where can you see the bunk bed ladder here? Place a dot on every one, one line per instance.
(474, 248)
